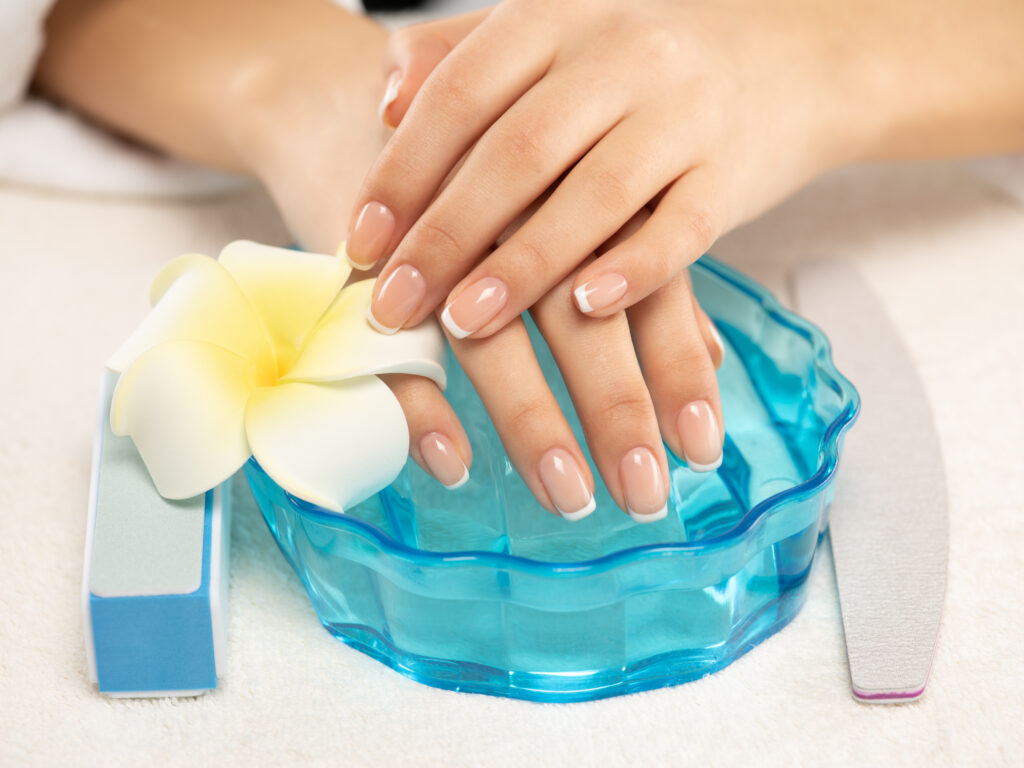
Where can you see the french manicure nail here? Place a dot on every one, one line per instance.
(390, 94)
(700, 436)
(601, 292)
(370, 236)
(475, 307)
(443, 460)
(565, 484)
(643, 486)
(398, 296)
(716, 337)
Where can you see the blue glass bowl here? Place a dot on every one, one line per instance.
(480, 589)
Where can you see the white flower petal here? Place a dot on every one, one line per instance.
(344, 345)
(289, 290)
(183, 404)
(332, 444)
(197, 300)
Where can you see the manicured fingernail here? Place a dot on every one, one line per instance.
(443, 460)
(601, 292)
(370, 236)
(700, 436)
(717, 339)
(643, 486)
(475, 307)
(398, 296)
(565, 484)
(390, 94)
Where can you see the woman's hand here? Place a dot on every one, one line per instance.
(284, 92)
(629, 377)
(624, 374)
(711, 110)
(311, 160)
(307, 126)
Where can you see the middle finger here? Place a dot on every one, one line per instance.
(600, 368)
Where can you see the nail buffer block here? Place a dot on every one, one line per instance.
(155, 579)
(889, 521)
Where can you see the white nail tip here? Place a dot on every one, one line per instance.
(359, 267)
(377, 325)
(659, 515)
(718, 339)
(579, 514)
(394, 83)
(460, 482)
(695, 467)
(452, 326)
(580, 294)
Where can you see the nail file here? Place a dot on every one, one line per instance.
(889, 521)
(155, 579)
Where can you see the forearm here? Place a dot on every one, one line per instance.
(212, 80)
(943, 77)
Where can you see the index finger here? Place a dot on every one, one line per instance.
(412, 54)
(484, 75)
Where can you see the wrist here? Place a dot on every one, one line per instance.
(938, 79)
(286, 104)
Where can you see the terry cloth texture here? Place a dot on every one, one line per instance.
(943, 250)
(49, 148)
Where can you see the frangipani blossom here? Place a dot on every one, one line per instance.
(263, 353)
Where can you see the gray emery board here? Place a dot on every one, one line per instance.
(889, 522)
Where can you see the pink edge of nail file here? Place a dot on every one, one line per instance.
(889, 521)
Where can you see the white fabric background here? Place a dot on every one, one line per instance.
(47, 147)
(943, 248)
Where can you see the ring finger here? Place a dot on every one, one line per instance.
(532, 427)
(599, 365)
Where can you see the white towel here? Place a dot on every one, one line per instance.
(43, 146)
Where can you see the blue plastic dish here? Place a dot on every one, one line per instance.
(480, 589)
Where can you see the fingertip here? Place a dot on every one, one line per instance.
(391, 92)
(717, 345)
(601, 295)
(442, 459)
(580, 295)
(452, 327)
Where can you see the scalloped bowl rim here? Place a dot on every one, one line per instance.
(821, 353)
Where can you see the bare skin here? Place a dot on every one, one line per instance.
(290, 96)
(741, 101)
(712, 110)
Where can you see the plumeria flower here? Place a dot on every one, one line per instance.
(263, 353)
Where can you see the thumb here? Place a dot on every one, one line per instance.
(412, 54)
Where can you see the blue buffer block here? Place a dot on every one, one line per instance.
(156, 573)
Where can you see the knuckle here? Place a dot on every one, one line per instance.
(418, 400)
(662, 263)
(701, 226)
(437, 241)
(612, 190)
(526, 147)
(398, 169)
(527, 417)
(626, 407)
(658, 44)
(404, 39)
(691, 367)
(455, 91)
(532, 258)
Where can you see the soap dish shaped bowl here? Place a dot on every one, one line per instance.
(480, 589)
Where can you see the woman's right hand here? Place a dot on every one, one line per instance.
(636, 377)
